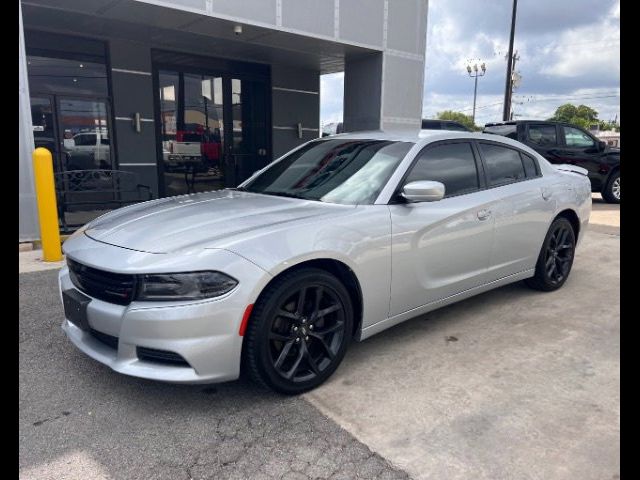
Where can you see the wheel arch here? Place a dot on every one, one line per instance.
(573, 219)
(338, 269)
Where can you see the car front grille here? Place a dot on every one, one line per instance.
(161, 356)
(111, 287)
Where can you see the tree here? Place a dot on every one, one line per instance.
(459, 117)
(581, 115)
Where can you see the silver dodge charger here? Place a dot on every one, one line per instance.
(333, 242)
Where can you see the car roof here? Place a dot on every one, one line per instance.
(411, 135)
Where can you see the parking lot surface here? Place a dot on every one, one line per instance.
(80, 420)
(509, 384)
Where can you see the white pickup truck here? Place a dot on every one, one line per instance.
(184, 154)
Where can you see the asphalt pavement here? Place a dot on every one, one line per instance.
(80, 420)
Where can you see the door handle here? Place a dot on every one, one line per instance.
(484, 214)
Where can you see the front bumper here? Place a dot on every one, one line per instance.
(205, 333)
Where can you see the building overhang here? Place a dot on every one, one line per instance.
(189, 31)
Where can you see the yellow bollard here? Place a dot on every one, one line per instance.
(47, 205)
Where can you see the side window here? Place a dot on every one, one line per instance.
(543, 135)
(452, 164)
(577, 138)
(530, 165)
(503, 164)
(85, 140)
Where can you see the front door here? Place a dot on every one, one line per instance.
(441, 248)
(213, 130)
(580, 149)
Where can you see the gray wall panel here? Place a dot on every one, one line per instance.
(362, 93)
(352, 26)
(146, 176)
(132, 93)
(289, 108)
(135, 147)
(402, 87)
(296, 78)
(129, 55)
(285, 140)
(199, 4)
(257, 10)
(405, 30)
(309, 16)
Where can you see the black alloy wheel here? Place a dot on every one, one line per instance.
(556, 257)
(299, 331)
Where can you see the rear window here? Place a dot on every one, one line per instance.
(543, 135)
(510, 131)
(503, 164)
(530, 165)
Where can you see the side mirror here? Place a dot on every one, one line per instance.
(423, 191)
(602, 146)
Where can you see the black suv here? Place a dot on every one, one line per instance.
(565, 143)
(443, 125)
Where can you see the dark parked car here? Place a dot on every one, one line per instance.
(443, 125)
(566, 143)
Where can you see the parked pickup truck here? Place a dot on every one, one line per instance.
(186, 154)
(569, 144)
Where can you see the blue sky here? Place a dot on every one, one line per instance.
(569, 53)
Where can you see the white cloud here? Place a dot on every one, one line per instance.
(569, 54)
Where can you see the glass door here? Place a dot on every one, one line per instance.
(249, 144)
(192, 131)
(213, 130)
(43, 119)
(85, 142)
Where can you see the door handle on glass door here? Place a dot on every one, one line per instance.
(484, 214)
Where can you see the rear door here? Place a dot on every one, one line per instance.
(521, 211)
(544, 138)
(441, 248)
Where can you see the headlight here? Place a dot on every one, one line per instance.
(184, 286)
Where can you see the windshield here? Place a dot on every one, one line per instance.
(334, 171)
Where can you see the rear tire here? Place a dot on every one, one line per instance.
(556, 257)
(611, 191)
(298, 332)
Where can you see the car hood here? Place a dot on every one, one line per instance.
(203, 220)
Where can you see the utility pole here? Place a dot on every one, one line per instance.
(475, 76)
(515, 82)
(507, 89)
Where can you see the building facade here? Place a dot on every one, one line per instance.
(194, 95)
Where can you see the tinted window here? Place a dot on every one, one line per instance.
(431, 124)
(85, 140)
(543, 134)
(503, 164)
(335, 171)
(529, 165)
(510, 130)
(577, 138)
(452, 164)
(455, 126)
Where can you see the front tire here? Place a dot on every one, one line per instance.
(298, 332)
(556, 257)
(611, 191)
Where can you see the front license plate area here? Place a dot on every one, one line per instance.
(75, 308)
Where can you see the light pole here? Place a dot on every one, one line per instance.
(475, 73)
